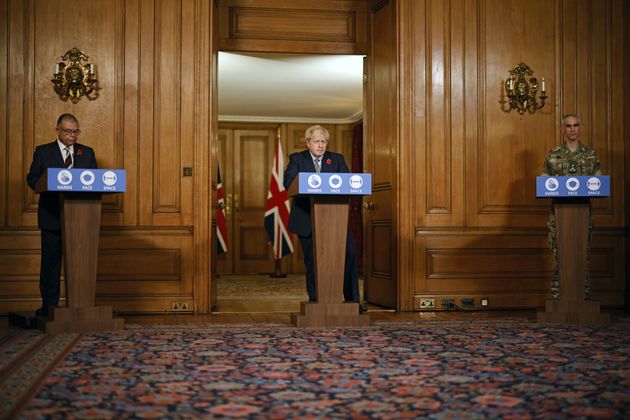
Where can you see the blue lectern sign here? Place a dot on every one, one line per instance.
(335, 183)
(572, 186)
(86, 180)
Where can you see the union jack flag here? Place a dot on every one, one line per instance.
(277, 210)
(222, 232)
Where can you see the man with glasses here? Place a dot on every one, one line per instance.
(64, 152)
(317, 159)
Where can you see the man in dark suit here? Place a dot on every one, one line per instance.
(317, 159)
(64, 152)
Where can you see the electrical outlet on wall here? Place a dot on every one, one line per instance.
(448, 303)
(179, 306)
(468, 302)
(427, 303)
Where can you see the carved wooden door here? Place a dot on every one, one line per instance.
(381, 282)
(246, 159)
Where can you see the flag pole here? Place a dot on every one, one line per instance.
(277, 211)
(278, 271)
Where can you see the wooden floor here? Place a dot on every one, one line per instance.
(271, 306)
(279, 312)
(284, 317)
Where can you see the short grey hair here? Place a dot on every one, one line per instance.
(565, 116)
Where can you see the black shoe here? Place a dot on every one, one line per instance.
(45, 309)
(362, 308)
(312, 300)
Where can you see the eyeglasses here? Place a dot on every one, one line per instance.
(71, 132)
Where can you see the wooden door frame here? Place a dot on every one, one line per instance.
(205, 115)
(402, 133)
(403, 220)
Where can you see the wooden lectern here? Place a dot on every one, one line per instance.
(572, 231)
(80, 229)
(329, 218)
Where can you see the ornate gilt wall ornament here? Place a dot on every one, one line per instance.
(72, 79)
(521, 92)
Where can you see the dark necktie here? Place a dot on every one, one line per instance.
(68, 160)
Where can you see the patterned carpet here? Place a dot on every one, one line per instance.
(26, 358)
(508, 368)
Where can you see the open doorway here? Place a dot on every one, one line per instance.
(263, 98)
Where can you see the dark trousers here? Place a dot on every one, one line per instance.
(350, 275)
(50, 268)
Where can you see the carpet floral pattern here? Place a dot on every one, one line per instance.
(26, 358)
(438, 369)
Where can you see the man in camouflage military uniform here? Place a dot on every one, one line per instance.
(570, 158)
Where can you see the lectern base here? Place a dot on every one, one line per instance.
(80, 320)
(585, 312)
(314, 314)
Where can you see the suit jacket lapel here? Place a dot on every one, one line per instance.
(326, 167)
(308, 162)
(55, 152)
(78, 156)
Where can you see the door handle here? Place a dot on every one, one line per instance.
(228, 206)
(367, 206)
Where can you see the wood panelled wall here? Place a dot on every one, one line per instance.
(479, 230)
(151, 118)
(304, 26)
(155, 116)
(456, 169)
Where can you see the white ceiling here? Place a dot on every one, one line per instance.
(274, 87)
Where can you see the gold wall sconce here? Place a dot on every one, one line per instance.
(522, 92)
(72, 79)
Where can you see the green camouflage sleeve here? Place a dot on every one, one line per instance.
(596, 165)
(545, 169)
(590, 165)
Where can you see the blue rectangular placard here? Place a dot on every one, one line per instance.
(86, 180)
(335, 183)
(573, 186)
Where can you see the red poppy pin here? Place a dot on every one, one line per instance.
(328, 161)
(79, 152)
